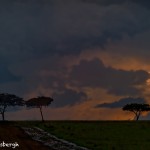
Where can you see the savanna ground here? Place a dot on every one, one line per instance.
(95, 135)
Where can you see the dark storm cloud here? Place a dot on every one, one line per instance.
(32, 32)
(24, 29)
(36, 28)
(7, 76)
(118, 2)
(119, 82)
(87, 25)
(68, 97)
(120, 103)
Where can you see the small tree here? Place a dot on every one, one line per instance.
(7, 100)
(137, 109)
(39, 102)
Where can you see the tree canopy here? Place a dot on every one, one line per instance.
(136, 108)
(7, 100)
(39, 102)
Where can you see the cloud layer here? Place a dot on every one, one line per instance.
(122, 102)
(119, 82)
(79, 52)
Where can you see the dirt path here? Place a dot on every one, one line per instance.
(51, 140)
(12, 134)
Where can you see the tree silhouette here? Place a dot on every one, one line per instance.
(136, 108)
(7, 100)
(39, 102)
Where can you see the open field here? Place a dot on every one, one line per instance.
(100, 135)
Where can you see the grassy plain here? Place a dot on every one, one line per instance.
(100, 135)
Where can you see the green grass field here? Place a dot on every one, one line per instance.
(100, 135)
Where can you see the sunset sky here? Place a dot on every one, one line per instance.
(83, 53)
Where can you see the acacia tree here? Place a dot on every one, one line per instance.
(136, 108)
(7, 100)
(39, 102)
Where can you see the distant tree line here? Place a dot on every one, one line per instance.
(7, 100)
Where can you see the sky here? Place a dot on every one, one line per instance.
(91, 56)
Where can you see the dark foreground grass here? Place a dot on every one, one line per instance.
(100, 135)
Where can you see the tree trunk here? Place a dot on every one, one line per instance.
(2, 112)
(3, 117)
(137, 116)
(41, 113)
